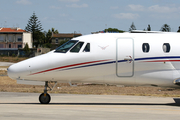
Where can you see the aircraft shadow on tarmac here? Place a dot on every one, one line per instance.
(140, 104)
(177, 103)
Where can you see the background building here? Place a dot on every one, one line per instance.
(57, 38)
(14, 38)
(60, 38)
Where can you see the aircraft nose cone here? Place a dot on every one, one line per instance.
(12, 72)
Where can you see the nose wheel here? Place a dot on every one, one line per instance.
(45, 98)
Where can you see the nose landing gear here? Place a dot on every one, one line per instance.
(45, 98)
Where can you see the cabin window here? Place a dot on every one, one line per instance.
(166, 47)
(145, 47)
(66, 46)
(87, 48)
(77, 47)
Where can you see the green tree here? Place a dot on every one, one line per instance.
(47, 37)
(35, 27)
(149, 28)
(27, 50)
(132, 27)
(54, 31)
(49, 34)
(165, 28)
(113, 30)
(178, 29)
(41, 38)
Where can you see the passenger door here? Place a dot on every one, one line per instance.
(124, 57)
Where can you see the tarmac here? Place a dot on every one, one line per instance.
(25, 106)
(6, 64)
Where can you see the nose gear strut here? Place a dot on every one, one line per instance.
(45, 98)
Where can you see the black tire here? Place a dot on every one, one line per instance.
(44, 99)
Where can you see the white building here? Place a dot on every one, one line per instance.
(15, 38)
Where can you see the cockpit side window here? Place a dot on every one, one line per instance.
(66, 46)
(77, 47)
(87, 48)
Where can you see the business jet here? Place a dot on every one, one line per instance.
(135, 59)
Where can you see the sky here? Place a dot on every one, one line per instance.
(86, 16)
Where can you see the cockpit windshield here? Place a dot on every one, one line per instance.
(66, 46)
(77, 47)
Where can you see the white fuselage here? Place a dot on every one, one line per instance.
(114, 58)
